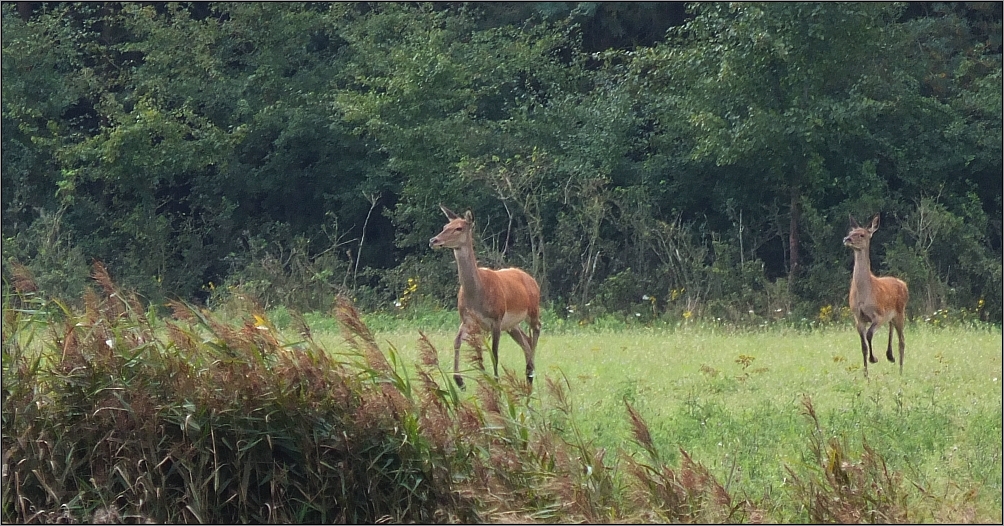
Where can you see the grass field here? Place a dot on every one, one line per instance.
(734, 399)
(240, 417)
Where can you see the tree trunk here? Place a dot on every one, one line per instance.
(25, 9)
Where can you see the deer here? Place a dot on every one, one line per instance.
(874, 300)
(496, 300)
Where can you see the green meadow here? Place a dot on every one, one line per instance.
(113, 413)
(734, 398)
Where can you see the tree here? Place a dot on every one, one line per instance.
(298, 146)
(768, 88)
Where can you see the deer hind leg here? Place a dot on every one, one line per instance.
(898, 323)
(496, 333)
(528, 349)
(534, 331)
(888, 349)
(534, 335)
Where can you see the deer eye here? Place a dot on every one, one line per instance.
(459, 228)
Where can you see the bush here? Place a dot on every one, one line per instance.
(201, 422)
(276, 272)
(46, 251)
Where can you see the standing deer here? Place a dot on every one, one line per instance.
(874, 300)
(498, 300)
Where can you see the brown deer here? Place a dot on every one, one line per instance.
(497, 300)
(874, 300)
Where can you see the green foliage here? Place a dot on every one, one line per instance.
(716, 151)
(276, 272)
(935, 240)
(55, 263)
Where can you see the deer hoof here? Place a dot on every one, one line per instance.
(460, 381)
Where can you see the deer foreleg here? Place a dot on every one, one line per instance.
(864, 348)
(871, 332)
(862, 326)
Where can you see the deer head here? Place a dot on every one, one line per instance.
(859, 237)
(456, 233)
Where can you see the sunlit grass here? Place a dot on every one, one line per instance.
(688, 423)
(732, 398)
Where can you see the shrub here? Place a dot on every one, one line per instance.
(46, 251)
(198, 421)
(282, 273)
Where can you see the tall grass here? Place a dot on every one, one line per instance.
(113, 414)
(733, 400)
(120, 416)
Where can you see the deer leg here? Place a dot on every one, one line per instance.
(534, 335)
(456, 356)
(496, 333)
(871, 332)
(534, 332)
(524, 342)
(864, 349)
(888, 349)
(898, 321)
(862, 328)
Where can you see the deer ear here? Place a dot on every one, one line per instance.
(449, 213)
(469, 217)
(875, 224)
(854, 223)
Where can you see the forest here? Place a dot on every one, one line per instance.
(649, 159)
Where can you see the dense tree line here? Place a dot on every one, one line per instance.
(637, 157)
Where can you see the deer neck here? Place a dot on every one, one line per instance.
(467, 267)
(861, 278)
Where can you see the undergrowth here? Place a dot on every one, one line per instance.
(112, 414)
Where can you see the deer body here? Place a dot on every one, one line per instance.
(874, 300)
(496, 300)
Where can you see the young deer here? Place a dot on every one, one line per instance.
(874, 300)
(497, 300)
